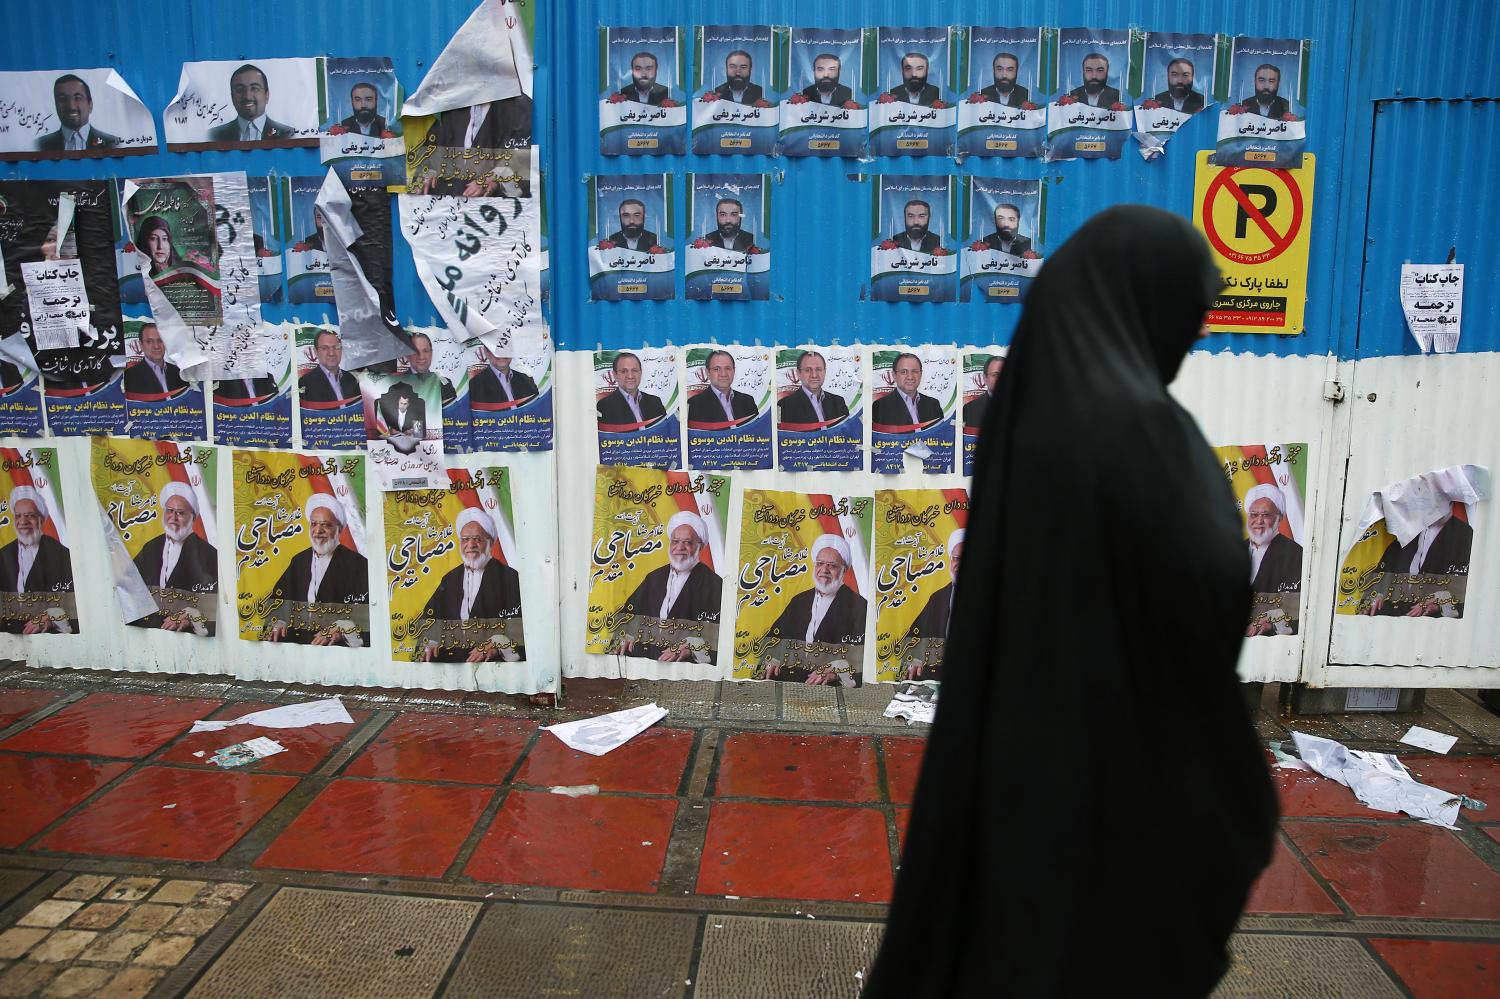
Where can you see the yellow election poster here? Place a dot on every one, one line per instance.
(450, 561)
(804, 577)
(299, 540)
(1258, 222)
(38, 600)
(656, 572)
(919, 540)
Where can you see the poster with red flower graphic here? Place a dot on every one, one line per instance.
(360, 110)
(1090, 118)
(913, 252)
(642, 100)
(739, 73)
(1004, 230)
(1004, 112)
(631, 249)
(916, 113)
(826, 108)
(729, 226)
(1265, 122)
(1179, 75)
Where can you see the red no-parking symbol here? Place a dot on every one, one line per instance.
(1223, 233)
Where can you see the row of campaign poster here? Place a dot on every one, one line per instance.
(926, 404)
(296, 541)
(1058, 93)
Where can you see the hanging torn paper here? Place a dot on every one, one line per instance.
(59, 302)
(1432, 297)
(72, 114)
(359, 258)
(1179, 71)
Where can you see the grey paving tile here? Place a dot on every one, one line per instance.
(750, 700)
(799, 702)
(1475, 717)
(1291, 967)
(748, 957)
(866, 705)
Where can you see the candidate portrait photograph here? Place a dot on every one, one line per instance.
(152, 374)
(682, 590)
(729, 232)
(976, 407)
(326, 572)
(1004, 87)
(1181, 93)
(826, 86)
(916, 233)
(1095, 90)
(1275, 560)
(809, 403)
(633, 234)
(738, 86)
(249, 93)
(499, 380)
(643, 88)
(365, 117)
(931, 623)
(404, 416)
(419, 363)
(913, 87)
(829, 613)
(35, 562)
(481, 588)
(76, 131)
(326, 381)
(179, 560)
(1266, 100)
(905, 405)
(1006, 235)
(719, 402)
(627, 404)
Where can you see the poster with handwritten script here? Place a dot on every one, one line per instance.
(72, 114)
(919, 541)
(451, 558)
(511, 401)
(1179, 82)
(980, 377)
(36, 593)
(257, 411)
(631, 244)
(738, 77)
(329, 399)
(915, 114)
(360, 135)
(157, 499)
(1270, 491)
(912, 408)
(729, 407)
(635, 398)
(159, 403)
(254, 104)
(729, 249)
(1265, 122)
(825, 111)
(1090, 117)
(820, 406)
(643, 92)
(657, 565)
(804, 582)
(1005, 230)
(299, 548)
(1005, 112)
(914, 243)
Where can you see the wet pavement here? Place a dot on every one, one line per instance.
(745, 847)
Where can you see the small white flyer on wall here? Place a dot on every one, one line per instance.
(1432, 296)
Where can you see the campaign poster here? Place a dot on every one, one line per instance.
(919, 541)
(511, 400)
(308, 275)
(635, 398)
(360, 134)
(438, 359)
(643, 96)
(20, 400)
(1265, 123)
(913, 250)
(234, 104)
(451, 558)
(826, 108)
(1006, 221)
(36, 598)
(820, 404)
(804, 584)
(159, 403)
(1005, 113)
(631, 247)
(1178, 80)
(981, 375)
(172, 220)
(912, 408)
(738, 77)
(267, 198)
(82, 383)
(1270, 484)
(329, 398)
(257, 412)
(729, 248)
(1090, 117)
(157, 501)
(657, 533)
(916, 113)
(72, 114)
(403, 417)
(729, 407)
(300, 557)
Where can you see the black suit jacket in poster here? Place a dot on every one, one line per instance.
(1191, 104)
(196, 571)
(926, 97)
(1107, 96)
(753, 93)
(705, 407)
(798, 408)
(52, 572)
(230, 131)
(655, 95)
(485, 386)
(844, 624)
(647, 240)
(52, 142)
(377, 125)
(889, 410)
(315, 387)
(1018, 245)
(614, 410)
(742, 240)
(1018, 95)
(841, 94)
(141, 380)
(1279, 106)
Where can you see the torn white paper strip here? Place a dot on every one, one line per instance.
(487, 59)
(1432, 298)
(239, 345)
(17, 351)
(597, 736)
(1412, 505)
(325, 712)
(58, 300)
(67, 207)
(1426, 738)
(1379, 780)
(136, 600)
(362, 325)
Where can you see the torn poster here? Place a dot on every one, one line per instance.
(913, 408)
(1380, 781)
(307, 274)
(72, 114)
(510, 401)
(38, 600)
(404, 430)
(919, 542)
(356, 231)
(1179, 72)
(1432, 297)
(268, 198)
(602, 733)
(242, 753)
(244, 105)
(981, 373)
(330, 711)
(257, 412)
(159, 403)
(480, 261)
(361, 135)
(171, 220)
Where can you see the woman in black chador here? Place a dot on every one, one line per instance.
(1094, 805)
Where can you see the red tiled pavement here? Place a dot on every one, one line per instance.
(796, 851)
(1306, 794)
(596, 843)
(1286, 886)
(1494, 832)
(305, 747)
(36, 790)
(903, 761)
(126, 726)
(380, 827)
(903, 819)
(209, 813)
(651, 763)
(462, 748)
(798, 767)
(1442, 969)
(1400, 869)
(17, 704)
(1476, 776)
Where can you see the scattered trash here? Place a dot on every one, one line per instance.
(575, 790)
(172, 805)
(246, 752)
(598, 735)
(1284, 760)
(646, 842)
(1426, 738)
(200, 754)
(1380, 781)
(325, 712)
(916, 702)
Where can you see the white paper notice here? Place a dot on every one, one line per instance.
(1379, 780)
(326, 712)
(1432, 296)
(59, 302)
(1426, 738)
(597, 736)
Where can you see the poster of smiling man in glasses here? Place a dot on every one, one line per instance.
(825, 112)
(738, 76)
(729, 255)
(1005, 113)
(1090, 118)
(914, 114)
(1179, 82)
(1265, 122)
(642, 104)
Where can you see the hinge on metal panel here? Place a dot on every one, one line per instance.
(1333, 390)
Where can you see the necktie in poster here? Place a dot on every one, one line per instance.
(329, 398)
(159, 403)
(73, 114)
(36, 562)
(729, 408)
(511, 400)
(260, 104)
(919, 542)
(635, 399)
(913, 408)
(820, 409)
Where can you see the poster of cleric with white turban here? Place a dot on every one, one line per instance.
(1090, 117)
(631, 249)
(1265, 122)
(737, 81)
(729, 407)
(826, 110)
(1003, 250)
(635, 397)
(913, 408)
(72, 114)
(913, 248)
(642, 104)
(729, 248)
(1270, 484)
(36, 562)
(914, 114)
(1179, 82)
(1005, 113)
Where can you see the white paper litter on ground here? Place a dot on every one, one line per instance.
(597, 736)
(1380, 781)
(326, 712)
(1426, 738)
(575, 790)
(246, 752)
(914, 702)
